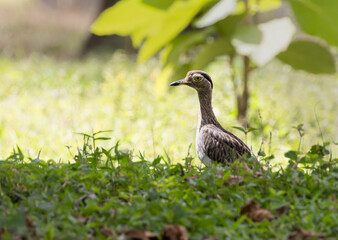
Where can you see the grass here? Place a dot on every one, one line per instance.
(45, 102)
(105, 191)
(59, 183)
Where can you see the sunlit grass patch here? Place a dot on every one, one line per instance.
(44, 102)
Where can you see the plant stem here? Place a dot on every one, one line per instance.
(243, 99)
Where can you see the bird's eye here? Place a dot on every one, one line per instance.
(197, 78)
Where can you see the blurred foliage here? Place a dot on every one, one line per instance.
(317, 18)
(106, 190)
(45, 102)
(224, 27)
(154, 25)
(297, 56)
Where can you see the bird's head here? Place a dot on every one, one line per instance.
(196, 79)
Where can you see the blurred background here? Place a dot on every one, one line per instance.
(58, 79)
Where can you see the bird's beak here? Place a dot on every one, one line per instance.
(176, 83)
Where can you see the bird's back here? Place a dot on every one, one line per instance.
(214, 143)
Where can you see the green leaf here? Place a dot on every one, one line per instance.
(210, 51)
(219, 11)
(318, 18)
(227, 26)
(240, 129)
(102, 131)
(308, 56)
(299, 126)
(275, 38)
(128, 17)
(272, 191)
(102, 138)
(319, 150)
(177, 17)
(157, 24)
(181, 44)
(261, 153)
(238, 222)
(251, 130)
(246, 39)
(156, 161)
(291, 155)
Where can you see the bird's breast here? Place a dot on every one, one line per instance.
(200, 149)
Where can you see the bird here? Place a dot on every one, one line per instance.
(214, 144)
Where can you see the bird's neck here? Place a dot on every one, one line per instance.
(206, 115)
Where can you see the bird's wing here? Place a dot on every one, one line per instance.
(222, 146)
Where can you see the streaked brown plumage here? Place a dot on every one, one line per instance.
(213, 142)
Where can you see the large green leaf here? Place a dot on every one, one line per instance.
(227, 26)
(318, 17)
(210, 51)
(309, 56)
(246, 39)
(177, 17)
(275, 37)
(220, 10)
(172, 52)
(128, 17)
(157, 24)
